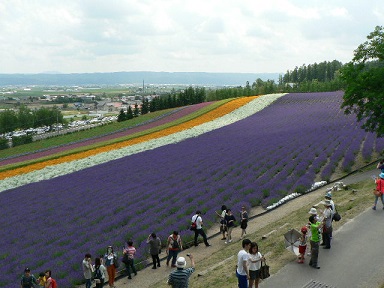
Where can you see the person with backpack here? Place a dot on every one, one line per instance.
(100, 272)
(174, 246)
(87, 270)
(199, 228)
(28, 280)
(50, 283)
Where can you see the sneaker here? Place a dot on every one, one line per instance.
(230, 241)
(226, 238)
(226, 242)
(129, 277)
(374, 208)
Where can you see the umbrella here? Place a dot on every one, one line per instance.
(292, 241)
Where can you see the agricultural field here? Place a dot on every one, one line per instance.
(257, 160)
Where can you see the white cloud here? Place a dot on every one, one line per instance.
(180, 35)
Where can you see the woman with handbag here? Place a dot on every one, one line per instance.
(379, 191)
(110, 257)
(254, 264)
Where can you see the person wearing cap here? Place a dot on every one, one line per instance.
(379, 188)
(179, 278)
(327, 224)
(302, 244)
(28, 280)
(328, 196)
(314, 240)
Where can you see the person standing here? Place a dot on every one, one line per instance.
(154, 249)
(87, 270)
(50, 282)
(380, 190)
(109, 259)
(230, 220)
(223, 227)
(327, 224)
(130, 265)
(254, 263)
(242, 272)
(199, 229)
(179, 278)
(302, 244)
(28, 280)
(243, 221)
(174, 246)
(315, 239)
(100, 272)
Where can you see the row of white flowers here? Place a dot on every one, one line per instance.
(69, 167)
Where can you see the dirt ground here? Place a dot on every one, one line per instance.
(149, 277)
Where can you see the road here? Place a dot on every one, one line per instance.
(353, 261)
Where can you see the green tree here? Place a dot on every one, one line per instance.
(121, 117)
(129, 113)
(363, 77)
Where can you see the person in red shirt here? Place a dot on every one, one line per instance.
(380, 190)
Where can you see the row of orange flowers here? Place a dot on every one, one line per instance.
(214, 114)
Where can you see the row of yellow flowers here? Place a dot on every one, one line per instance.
(219, 112)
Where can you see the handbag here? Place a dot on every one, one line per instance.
(376, 192)
(264, 270)
(336, 217)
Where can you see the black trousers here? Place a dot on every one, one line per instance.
(202, 233)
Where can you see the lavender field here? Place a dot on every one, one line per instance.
(256, 161)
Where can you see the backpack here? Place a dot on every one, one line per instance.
(97, 273)
(175, 243)
(54, 283)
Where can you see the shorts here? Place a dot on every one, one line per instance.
(244, 224)
(302, 249)
(254, 274)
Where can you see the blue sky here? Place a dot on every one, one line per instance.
(75, 36)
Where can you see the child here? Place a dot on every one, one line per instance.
(303, 244)
(254, 263)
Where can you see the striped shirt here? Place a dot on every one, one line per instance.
(179, 278)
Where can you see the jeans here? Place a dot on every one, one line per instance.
(88, 283)
(172, 254)
(242, 280)
(202, 233)
(130, 266)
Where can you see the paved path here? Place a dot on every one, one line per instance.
(354, 260)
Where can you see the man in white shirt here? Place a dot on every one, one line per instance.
(199, 229)
(242, 272)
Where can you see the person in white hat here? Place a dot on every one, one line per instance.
(180, 276)
(327, 224)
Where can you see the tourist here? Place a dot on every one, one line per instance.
(199, 229)
(100, 272)
(380, 166)
(254, 263)
(328, 196)
(223, 226)
(28, 280)
(179, 278)
(230, 220)
(327, 224)
(50, 282)
(243, 221)
(154, 249)
(302, 244)
(242, 272)
(130, 251)
(41, 280)
(87, 270)
(315, 239)
(109, 258)
(379, 190)
(174, 246)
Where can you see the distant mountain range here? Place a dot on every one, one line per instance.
(114, 78)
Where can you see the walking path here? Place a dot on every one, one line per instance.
(346, 244)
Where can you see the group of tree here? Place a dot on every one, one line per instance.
(24, 118)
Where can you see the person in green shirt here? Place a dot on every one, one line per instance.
(315, 239)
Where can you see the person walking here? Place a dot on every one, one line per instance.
(110, 258)
(179, 278)
(223, 226)
(199, 229)
(230, 220)
(254, 263)
(243, 221)
(242, 272)
(87, 270)
(130, 251)
(379, 190)
(315, 239)
(174, 246)
(28, 280)
(154, 249)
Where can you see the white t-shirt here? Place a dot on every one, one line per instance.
(199, 221)
(241, 257)
(254, 257)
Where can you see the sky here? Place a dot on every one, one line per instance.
(238, 36)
